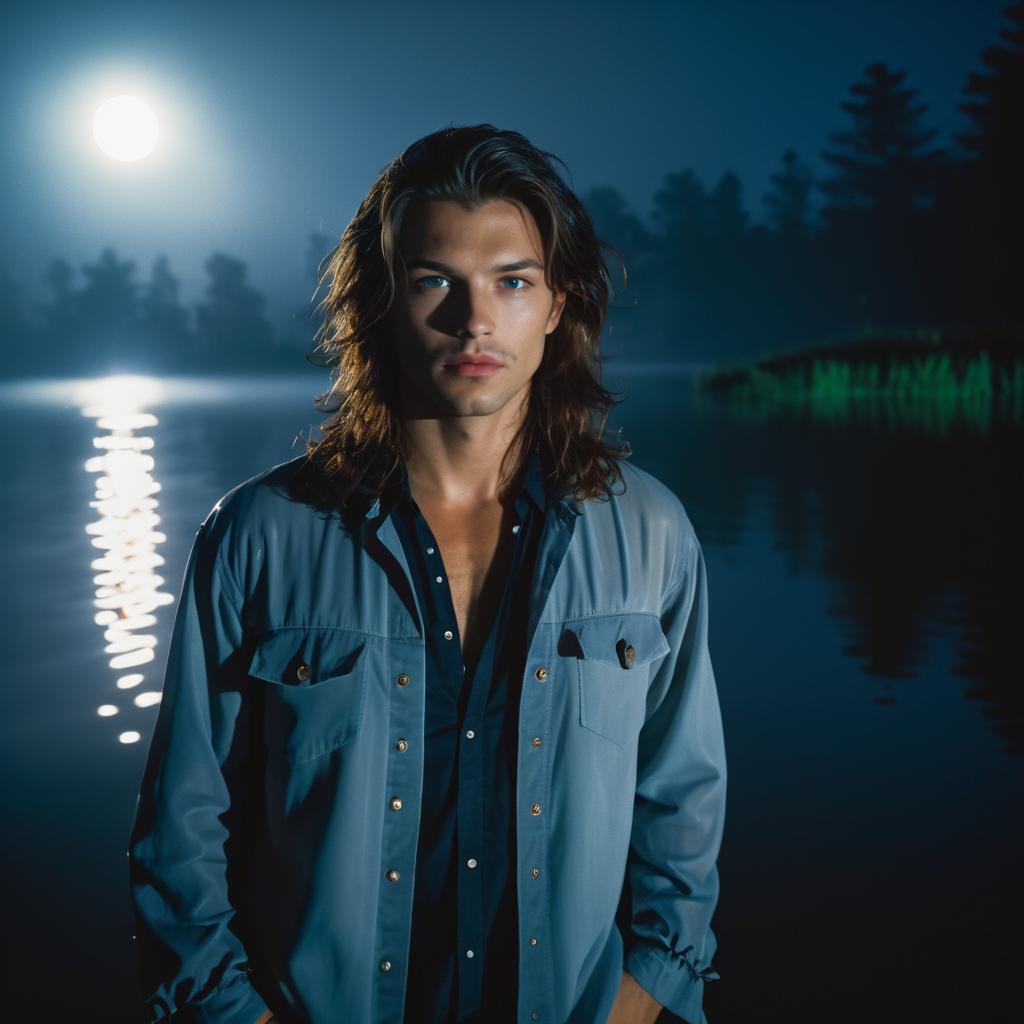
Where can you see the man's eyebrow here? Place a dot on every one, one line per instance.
(502, 268)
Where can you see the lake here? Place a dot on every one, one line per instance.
(864, 568)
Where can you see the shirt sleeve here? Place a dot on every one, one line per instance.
(679, 808)
(189, 809)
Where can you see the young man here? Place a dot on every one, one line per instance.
(440, 738)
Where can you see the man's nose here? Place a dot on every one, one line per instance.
(473, 311)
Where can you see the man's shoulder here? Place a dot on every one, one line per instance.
(644, 497)
(267, 493)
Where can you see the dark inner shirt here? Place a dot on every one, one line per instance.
(465, 887)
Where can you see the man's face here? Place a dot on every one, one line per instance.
(475, 288)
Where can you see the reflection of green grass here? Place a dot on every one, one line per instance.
(936, 387)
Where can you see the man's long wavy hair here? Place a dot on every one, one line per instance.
(568, 408)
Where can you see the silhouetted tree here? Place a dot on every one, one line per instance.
(108, 323)
(884, 180)
(989, 189)
(682, 217)
(883, 164)
(163, 320)
(16, 333)
(788, 259)
(59, 316)
(233, 332)
(789, 199)
(616, 224)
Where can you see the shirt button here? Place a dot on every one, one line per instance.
(471, 862)
(535, 809)
(303, 672)
(470, 734)
(515, 529)
(469, 953)
(385, 965)
(541, 673)
(535, 1015)
(535, 872)
(438, 578)
(402, 746)
(533, 941)
(403, 680)
(626, 653)
(448, 634)
(430, 551)
(396, 803)
(536, 741)
(393, 875)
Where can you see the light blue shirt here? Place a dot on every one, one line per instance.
(273, 852)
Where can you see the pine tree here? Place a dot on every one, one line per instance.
(109, 313)
(232, 329)
(164, 321)
(885, 178)
(987, 200)
(884, 163)
(789, 201)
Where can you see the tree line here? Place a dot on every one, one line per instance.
(899, 234)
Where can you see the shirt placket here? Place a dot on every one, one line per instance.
(483, 721)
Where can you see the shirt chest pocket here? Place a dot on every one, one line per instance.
(614, 658)
(313, 684)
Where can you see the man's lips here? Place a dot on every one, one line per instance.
(467, 369)
(472, 366)
(455, 360)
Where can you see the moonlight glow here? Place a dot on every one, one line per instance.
(125, 128)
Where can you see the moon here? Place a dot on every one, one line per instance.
(125, 128)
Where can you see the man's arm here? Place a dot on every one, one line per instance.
(189, 954)
(679, 808)
(633, 1003)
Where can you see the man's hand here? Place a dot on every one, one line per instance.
(633, 1003)
(264, 1018)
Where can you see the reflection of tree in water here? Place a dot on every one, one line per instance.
(915, 520)
(922, 534)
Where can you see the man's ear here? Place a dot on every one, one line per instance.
(557, 305)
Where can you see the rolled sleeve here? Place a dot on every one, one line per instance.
(679, 808)
(190, 808)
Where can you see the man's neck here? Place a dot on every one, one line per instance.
(457, 468)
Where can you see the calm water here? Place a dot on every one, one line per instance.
(864, 570)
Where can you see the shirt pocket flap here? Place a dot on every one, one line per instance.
(316, 699)
(626, 640)
(306, 657)
(614, 659)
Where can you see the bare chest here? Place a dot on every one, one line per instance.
(476, 549)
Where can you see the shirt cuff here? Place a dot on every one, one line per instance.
(675, 979)
(237, 1002)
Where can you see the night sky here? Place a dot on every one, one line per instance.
(275, 118)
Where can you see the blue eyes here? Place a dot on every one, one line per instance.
(422, 282)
